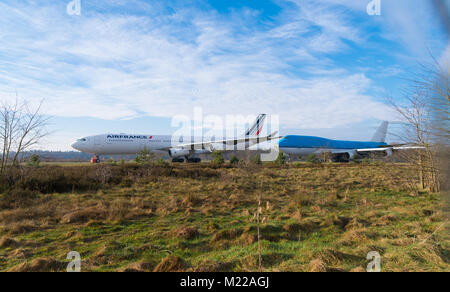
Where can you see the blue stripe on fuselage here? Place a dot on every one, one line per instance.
(318, 142)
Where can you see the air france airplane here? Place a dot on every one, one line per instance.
(342, 151)
(123, 144)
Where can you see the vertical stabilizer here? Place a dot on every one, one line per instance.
(380, 135)
(256, 127)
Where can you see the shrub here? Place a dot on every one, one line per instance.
(34, 160)
(161, 162)
(234, 160)
(145, 157)
(218, 158)
(281, 159)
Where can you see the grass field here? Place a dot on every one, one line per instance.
(324, 217)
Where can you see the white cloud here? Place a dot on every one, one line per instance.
(114, 66)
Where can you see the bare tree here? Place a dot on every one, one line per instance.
(9, 124)
(31, 130)
(21, 128)
(424, 110)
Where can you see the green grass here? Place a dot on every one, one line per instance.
(334, 214)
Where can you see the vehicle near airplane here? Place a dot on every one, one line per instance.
(125, 144)
(341, 151)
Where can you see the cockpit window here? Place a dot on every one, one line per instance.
(82, 140)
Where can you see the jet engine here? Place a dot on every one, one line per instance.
(352, 154)
(389, 152)
(179, 153)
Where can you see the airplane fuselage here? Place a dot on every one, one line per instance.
(305, 145)
(125, 144)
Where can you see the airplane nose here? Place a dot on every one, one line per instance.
(75, 145)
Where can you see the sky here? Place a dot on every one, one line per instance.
(325, 67)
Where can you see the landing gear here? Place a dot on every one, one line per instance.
(344, 158)
(194, 160)
(95, 159)
(188, 160)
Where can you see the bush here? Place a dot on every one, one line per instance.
(281, 159)
(34, 160)
(55, 179)
(234, 160)
(145, 157)
(161, 162)
(218, 158)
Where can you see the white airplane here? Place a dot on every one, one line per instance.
(124, 144)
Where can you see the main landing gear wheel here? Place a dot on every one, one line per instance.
(178, 160)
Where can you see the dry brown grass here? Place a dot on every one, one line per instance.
(170, 264)
(317, 266)
(205, 218)
(139, 267)
(40, 265)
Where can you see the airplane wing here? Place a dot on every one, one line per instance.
(390, 149)
(249, 141)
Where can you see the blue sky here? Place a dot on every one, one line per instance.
(323, 66)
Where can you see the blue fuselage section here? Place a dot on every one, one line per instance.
(309, 142)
